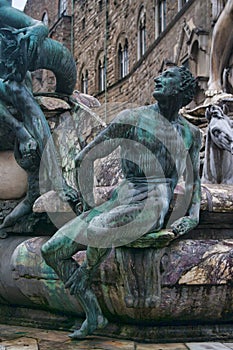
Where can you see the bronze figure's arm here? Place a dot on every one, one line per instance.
(192, 188)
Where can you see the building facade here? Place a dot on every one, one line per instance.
(120, 45)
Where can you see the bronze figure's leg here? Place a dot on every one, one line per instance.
(58, 253)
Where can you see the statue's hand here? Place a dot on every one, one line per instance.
(35, 35)
(68, 193)
(183, 225)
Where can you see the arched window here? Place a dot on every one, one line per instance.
(84, 82)
(123, 59)
(83, 23)
(45, 18)
(100, 5)
(62, 7)
(101, 74)
(161, 15)
(141, 33)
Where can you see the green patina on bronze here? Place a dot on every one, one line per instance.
(25, 47)
(158, 147)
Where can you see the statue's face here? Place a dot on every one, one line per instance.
(167, 84)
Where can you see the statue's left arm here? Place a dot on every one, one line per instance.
(104, 143)
(193, 186)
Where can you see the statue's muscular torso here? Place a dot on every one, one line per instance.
(152, 148)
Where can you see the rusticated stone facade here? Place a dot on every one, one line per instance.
(141, 34)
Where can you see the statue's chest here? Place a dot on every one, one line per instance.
(163, 138)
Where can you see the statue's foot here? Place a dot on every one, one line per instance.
(88, 329)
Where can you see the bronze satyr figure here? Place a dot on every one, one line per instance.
(157, 147)
(25, 47)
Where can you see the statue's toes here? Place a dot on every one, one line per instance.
(82, 332)
(88, 328)
(78, 335)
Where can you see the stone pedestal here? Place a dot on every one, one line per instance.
(13, 183)
(146, 293)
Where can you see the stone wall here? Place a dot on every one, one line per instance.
(36, 10)
(122, 20)
(89, 41)
(152, 289)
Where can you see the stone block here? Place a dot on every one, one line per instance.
(206, 346)
(143, 285)
(171, 346)
(13, 183)
(20, 344)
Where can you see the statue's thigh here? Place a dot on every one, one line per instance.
(126, 223)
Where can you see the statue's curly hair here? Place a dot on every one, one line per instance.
(188, 85)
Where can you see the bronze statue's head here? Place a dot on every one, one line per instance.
(175, 82)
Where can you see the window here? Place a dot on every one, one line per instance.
(83, 23)
(62, 7)
(100, 5)
(181, 3)
(123, 59)
(101, 75)
(161, 15)
(45, 18)
(141, 33)
(84, 82)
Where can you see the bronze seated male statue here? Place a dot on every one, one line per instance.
(158, 148)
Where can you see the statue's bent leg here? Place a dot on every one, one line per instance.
(35, 122)
(99, 230)
(58, 253)
(26, 149)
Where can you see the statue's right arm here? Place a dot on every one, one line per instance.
(105, 142)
